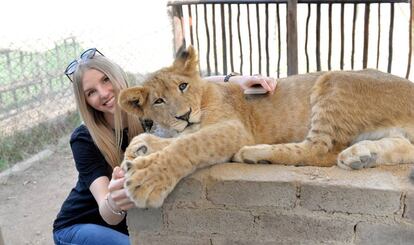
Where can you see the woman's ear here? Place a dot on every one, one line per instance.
(133, 99)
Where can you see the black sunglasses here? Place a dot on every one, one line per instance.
(86, 55)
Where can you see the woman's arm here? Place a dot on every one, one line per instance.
(111, 197)
(268, 83)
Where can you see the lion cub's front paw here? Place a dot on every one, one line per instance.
(144, 144)
(148, 181)
(357, 156)
(254, 154)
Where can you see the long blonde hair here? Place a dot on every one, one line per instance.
(107, 140)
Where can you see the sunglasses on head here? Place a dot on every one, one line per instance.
(86, 55)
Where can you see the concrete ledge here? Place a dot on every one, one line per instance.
(267, 204)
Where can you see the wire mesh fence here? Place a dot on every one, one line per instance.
(33, 87)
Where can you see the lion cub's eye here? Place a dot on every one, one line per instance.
(159, 101)
(182, 86)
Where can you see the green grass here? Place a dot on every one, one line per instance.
(22, 144)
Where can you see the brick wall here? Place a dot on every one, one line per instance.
(264, 204)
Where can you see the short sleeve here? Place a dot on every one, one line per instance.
(90, 162)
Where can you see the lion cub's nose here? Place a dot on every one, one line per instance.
(185, 117)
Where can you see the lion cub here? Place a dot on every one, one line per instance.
(356, 119)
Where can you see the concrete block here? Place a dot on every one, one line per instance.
(379, 234)
(250, 193)
(409, 207)
(168, 239)
(208, 221)
(148, 219)
(308, 228)
(345, 199)
(187, 190)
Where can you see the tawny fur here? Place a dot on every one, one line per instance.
(355, 119)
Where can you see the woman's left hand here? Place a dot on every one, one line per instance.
(268, 83)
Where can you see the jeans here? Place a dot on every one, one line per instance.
(89, 234)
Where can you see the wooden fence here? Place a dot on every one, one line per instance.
(286, 37)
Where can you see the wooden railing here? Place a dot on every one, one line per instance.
(286, 37)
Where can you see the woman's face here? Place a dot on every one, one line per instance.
(98, 91)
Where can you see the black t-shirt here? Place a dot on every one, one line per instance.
(80, 206)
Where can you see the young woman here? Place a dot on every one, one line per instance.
(95, 210)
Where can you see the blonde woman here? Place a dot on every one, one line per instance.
(95, 210)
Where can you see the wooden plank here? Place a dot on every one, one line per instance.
(292, 38)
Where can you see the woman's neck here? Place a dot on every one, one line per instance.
(110, 119)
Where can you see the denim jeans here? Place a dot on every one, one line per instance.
(89, 234)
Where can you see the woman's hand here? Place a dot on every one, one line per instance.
(268, 83)
(117, 196)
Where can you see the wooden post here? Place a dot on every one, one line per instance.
(292, 37)
(178, 28)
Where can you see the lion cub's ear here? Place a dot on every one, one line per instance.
(132, 99)
(186, 62)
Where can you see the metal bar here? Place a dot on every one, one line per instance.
(215, 41)
(379, 34)
(258, 38)
(279, 44)
(366, 36)
(318, 37)
(341, 64)
(231, 39)
(307, 37)
(267, 40)
(186, 2)
(197, 37)
(223, 39)
(410, 39)
(250, 40)
(390, 38)
(179, 38)
(240, 41)
(353, 35)
(208, 41)
(190, 23)
(292, 37)
(330, 37)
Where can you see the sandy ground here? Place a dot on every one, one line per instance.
(30, 199)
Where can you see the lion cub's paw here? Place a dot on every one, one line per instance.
(356, 157)
(148, 181)
(254, 154)
(144, 144)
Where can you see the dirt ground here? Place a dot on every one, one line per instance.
(31, 199)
